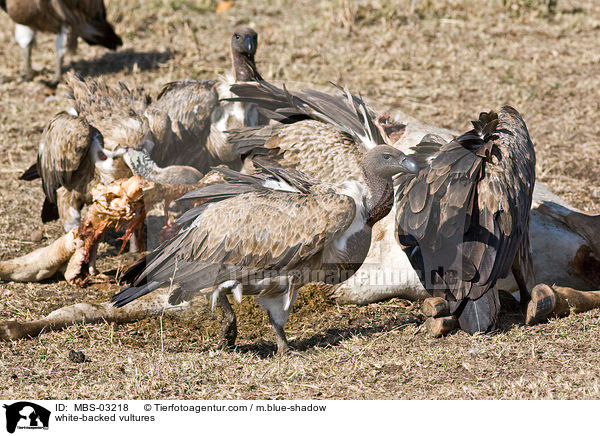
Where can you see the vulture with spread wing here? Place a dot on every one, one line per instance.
(268, 235)
(464, 219)
(321, 134)
(69, 19)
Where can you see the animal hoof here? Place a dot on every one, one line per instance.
(542, 304)
(10, 330)
(435, 307)
(438, 327)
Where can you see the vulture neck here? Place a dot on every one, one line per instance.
(244, 68)
(381, 197)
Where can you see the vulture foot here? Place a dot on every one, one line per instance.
(228, 325)
(283, 347)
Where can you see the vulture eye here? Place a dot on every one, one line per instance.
(236, 36)
(387, 156)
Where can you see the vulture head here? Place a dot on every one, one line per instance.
(244, 41)
(385, 161)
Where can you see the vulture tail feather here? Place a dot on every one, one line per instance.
(49, 211)
(30, 173)
(479, 315)
(127, 295)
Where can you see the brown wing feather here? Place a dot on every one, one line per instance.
(258, 231)
(87, 18)
(483, 183)
(64, 154)
(189, 105)
(347, 112)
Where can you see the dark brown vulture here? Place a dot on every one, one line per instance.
(69, 19)
(464, 219)
(268, 235)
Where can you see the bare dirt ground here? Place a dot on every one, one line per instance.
(442, 62)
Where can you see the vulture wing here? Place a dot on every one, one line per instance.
(88, 20)
(465, 216)
(346, 112)
(64, 154)
(189, 105)
(251, 226)
(325, 152)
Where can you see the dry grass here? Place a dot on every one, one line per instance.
(443, 62)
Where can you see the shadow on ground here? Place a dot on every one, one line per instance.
(120, 61)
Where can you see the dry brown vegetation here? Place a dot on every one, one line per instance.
(443, 62)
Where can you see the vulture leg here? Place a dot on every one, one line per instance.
(92, 271)
(521, 279)
(282, 343)
(278, 309)
(524, 294)
(134, 246)
(61, 50)
(229, 323)
(25, 37)
(166, 206)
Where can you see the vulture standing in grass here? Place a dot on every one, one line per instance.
(268, 235)
(197, 116)
(69, 19)
(464, 219)
(104, 137)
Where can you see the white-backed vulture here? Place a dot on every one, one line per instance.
(69, 19)
(268, 235)
(71, 161)
(198, 117)
(464, 219)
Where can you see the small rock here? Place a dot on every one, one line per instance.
(77, 356)
(37, 236)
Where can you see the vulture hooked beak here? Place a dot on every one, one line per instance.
(409, 164)
(249, 44)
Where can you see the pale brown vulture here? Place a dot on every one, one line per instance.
(70, 163)
(69, 19)
(270, 234)
(198, 117)
(464, 219)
